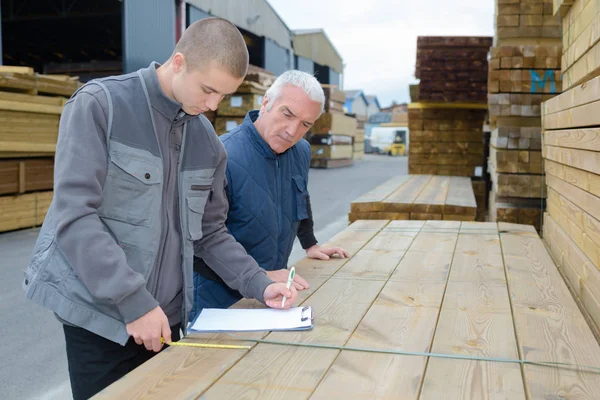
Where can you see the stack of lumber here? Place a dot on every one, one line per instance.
(571, 124)
(249, 96)
(525, 19)
(452, 69)
(233, 109)
(332, 135)
(480, 192)
(464, 289)
(30, 109)
(358, 145)
(445, 141)
(418, 197)
(580, 39)
(524, 71)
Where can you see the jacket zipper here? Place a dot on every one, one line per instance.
(278, 179)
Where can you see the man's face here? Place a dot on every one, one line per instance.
(200, 90)
(290, 117)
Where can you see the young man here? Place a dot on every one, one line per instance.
(267, 175)
(139, 188)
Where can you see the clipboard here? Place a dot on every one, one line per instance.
(253, 320)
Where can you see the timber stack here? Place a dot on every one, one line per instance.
(249, 96)
(571, 149)
(524, 71)
(332, 135)
(418, 197)
(30, 109)
(446, 124)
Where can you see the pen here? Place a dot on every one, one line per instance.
(289, 282)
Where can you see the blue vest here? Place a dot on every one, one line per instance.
(267, 200)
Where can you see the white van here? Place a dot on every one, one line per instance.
(382, 138)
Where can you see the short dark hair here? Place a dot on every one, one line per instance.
(214, 39)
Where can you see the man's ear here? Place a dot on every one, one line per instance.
(263, 106)
(178, 62)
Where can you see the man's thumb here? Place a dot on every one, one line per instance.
(166, 332)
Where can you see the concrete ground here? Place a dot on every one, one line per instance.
(32, 343)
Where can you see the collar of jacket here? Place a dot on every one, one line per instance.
(259, 143)
(159, 100)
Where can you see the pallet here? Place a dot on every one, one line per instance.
(327, 163)
(409, 286)
(418, 197)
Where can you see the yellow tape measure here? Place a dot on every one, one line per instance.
(207, 345)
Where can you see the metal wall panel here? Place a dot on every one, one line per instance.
(334, 78)
(277, 58)
(148, 32)
(194, 14)
(304, 64)
(256, 16)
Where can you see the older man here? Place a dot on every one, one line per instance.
(267, 174)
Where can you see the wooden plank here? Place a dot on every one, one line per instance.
(266, 372)
(475, 320)
(183, 373)
(403, 317)
(587, 181)
(355, 216)
(586, 68)
(403, 198)
(583, 42)
(584, 200)
(460, 199)
(583, 139)
(372, 200)
(549, 325)
(581, 159)
(573, 265)
(575, 97)
(433, 196)
(583, 228)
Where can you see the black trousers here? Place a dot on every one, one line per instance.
(96, 362)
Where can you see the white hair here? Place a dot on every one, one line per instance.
(308, 83)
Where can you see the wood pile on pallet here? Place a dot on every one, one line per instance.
(571, 150)
(333, 135)
(524, 71)
(465, 289)
(30, 109)
(418, 197)
(446, 125)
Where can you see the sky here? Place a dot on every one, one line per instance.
(377, 39)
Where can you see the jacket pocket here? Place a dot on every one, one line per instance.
(131, 191)
(301, 197)
(196, 200)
